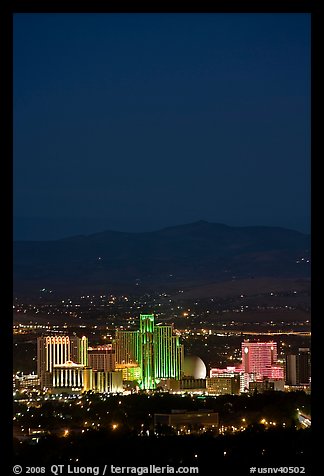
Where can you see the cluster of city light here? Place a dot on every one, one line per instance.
(230, 429)
(265, 422)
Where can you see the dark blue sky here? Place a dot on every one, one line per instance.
(134, 122)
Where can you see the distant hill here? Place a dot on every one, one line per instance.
(189, 255)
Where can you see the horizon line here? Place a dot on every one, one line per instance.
(156, 230)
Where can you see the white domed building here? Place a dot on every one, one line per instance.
(194, 367)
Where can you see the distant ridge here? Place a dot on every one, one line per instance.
(196, 253)
(199, 224)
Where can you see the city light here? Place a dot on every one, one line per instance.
(147, 361)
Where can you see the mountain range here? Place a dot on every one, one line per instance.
(176, 257)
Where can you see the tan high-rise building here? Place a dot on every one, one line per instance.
(79, 350)
(51, 350)
(57, 350)
(102, 358)
(126, 346)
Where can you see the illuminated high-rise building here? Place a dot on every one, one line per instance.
(57, 350)
(168, 353)
(79, 350)
(259, 357)
(259, 361)
(102, 358)
(126, 346)
(298, 367)
(51, 350)
(147, 351)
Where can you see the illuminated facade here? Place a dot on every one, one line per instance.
(75, 378)
(130, 372)
(259, 357)
(67, 377)
(226, 372)
(153, 348)
(57, 350)
(102, 358)
(223, 385)
(147, 351)
(107, 382)
(51, 350)
(79, 350)
(259, 361)
(168, 353)
(87, 379)
(26, 381)
(126, 346)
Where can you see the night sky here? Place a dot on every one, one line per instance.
(134, 122)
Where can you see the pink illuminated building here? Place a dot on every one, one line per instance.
(259, 362)
(227, 372)
(259, 357)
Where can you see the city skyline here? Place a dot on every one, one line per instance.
(153, 358)
(121, 385)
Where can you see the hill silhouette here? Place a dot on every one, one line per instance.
(188, 255)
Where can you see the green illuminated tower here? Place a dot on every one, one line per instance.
(147, 351)
(154, 347)
(168, 353)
